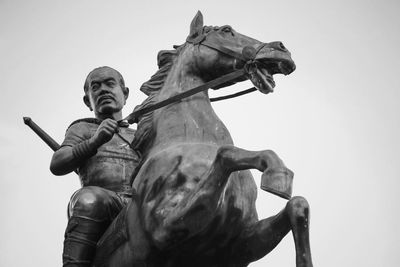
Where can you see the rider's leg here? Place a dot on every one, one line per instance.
(91, 210)
(261, 238)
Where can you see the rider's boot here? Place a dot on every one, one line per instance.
(80, 241)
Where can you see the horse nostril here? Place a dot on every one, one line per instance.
(278, 46)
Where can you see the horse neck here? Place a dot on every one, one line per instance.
(191, 120)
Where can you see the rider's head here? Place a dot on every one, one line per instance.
(105, 92)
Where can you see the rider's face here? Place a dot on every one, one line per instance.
(105, 94)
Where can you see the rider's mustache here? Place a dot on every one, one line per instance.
(105, 95)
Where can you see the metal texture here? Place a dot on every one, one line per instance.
(134, 116)
(41, 133)
(195, 203)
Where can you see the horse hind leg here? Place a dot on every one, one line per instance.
(261, 238)
(298, 211)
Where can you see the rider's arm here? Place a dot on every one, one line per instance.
(78, 146)
(64, 161)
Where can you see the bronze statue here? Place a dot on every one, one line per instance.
(192, 202)
(100, 150)
(195, 201)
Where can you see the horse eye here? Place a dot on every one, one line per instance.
(227, 29)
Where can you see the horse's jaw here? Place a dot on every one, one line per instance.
(273, 59)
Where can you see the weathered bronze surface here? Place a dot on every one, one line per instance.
(193, 198)
(195, 201)
(99, 149)
(42, 134)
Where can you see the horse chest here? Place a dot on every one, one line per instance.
(190, 123)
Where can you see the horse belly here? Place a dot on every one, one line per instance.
(166, 180)
(190, 160)
(173, 184)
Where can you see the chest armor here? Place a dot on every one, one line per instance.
(114, 163)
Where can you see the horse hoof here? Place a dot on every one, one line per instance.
(278, 181)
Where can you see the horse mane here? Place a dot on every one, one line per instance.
(165, 60)
(144, 132)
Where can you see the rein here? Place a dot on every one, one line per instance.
(225, 97)
(248, 56)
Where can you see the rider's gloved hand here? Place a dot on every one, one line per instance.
(105, 132)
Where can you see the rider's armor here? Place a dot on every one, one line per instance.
(106, 180)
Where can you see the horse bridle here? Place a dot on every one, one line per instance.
(248, 58)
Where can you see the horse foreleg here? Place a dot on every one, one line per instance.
(202, 202)
(234, 159)
(276, 178)
(261, 238)
(196, 208)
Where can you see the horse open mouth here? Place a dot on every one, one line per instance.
(262, 80)
(261, 75)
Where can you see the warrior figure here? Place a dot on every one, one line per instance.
(99, 149)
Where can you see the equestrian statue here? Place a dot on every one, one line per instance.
(192, 202)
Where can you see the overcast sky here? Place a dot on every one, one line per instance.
(335, 121)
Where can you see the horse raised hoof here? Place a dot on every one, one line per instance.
(278, 181)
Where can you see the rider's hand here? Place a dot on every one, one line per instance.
(105, 132)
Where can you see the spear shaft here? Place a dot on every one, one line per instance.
(42, 134)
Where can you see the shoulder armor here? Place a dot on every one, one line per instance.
(87, 120)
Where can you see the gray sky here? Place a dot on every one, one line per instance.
(335, 121)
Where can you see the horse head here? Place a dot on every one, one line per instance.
(220, 50)
(209, 53)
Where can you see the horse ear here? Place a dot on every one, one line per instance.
(196, 27)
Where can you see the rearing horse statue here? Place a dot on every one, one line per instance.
(195, 200)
